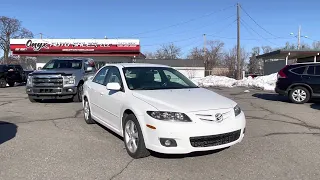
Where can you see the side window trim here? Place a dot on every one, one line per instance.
(304, 72)
(108, 74)
(106, 67)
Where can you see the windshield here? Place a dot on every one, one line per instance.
(151, 78)
(63, 64)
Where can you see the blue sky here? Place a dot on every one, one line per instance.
(122, 19)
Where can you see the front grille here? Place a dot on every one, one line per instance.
(215, 140)
(55, 81)
(43, 91)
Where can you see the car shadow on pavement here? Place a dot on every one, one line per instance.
(315, 106)
(181, 156)
(7, 131)
(271, 97)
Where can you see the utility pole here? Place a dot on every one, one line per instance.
(299, 37)
(205, 54)
(238, 43)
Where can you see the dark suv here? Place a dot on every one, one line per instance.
(10, 74)
(300, 82)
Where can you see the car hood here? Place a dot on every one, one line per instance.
(65, 72)
(184, 100)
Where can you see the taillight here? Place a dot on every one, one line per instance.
(281, 73)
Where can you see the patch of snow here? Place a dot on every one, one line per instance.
(267, 83)
(246, 91)
(215, 81)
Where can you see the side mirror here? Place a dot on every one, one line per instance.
(89, 69)
(114, 86)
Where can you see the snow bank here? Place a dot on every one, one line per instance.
(217, 81)
(262, 82)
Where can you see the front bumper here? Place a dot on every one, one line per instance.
(51, 92)
(186, 135)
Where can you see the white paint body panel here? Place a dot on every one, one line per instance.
(108, 108)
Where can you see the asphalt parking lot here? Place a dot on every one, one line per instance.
(51, 141)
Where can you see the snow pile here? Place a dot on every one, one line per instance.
(216, 81)
(262, 82)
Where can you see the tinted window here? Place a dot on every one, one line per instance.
(311, 70)
(100, 76)
(299, 70)
(152, 78)
(317, 70)
(114, 76)
(63, 64)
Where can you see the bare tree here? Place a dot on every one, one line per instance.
(169, 51)
(11, 28)
(316, 45)
(212, 57)
(230, 61)
(150, 55)
(266, 49)
(253, 66)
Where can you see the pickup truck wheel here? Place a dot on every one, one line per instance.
(11, 84)
(31, 99)
(3, 83)
(78, 97)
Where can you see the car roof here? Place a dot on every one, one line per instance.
(122, 65)
(305, 63)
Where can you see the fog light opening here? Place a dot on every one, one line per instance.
(70, 90)
(168, 142)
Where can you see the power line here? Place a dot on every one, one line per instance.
(184, 22)
(173, 41)
(246, 25)
(182, 32)
(257, 23)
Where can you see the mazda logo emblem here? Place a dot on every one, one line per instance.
(219, 117)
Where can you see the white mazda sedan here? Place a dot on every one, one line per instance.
(155, 107)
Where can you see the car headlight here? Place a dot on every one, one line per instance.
(70, 79)
(169, 116)
(237, 110)
(29, 81)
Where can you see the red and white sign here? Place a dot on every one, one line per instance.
(71, 46)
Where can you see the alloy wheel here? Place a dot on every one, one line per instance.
(299, 95)
(131, 136)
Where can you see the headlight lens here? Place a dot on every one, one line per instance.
(237, 110)
(70, 79)
(29, 81)
(169, 116)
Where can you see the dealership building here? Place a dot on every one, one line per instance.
(101, 50)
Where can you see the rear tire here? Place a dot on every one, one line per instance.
(87, 113)
(3, 83)
(78, 97)
(299, 95)
(133, 138)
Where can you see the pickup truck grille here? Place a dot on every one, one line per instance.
(52, 81)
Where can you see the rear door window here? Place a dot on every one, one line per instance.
(299, 70)
(317, 70)
(311, 70)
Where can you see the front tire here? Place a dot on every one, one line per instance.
(78, 97)
(3, 83)
(87, 112)
(133, 138)
(299, 95)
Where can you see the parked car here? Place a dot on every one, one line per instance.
(154, 112)
(60, 79)
(11, 74)
(300, 82)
